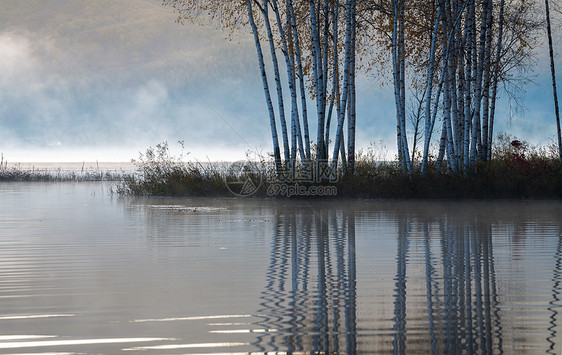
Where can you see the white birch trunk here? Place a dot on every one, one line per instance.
(553, 75)
(274, 138)
(402, 63)
(325, 57)
(396, 76)
(495, 81)
(476, 146)
(429, 91)
(447, 123)
(317, 70)
(461, 96)
(342, 153)
(442, 148)
(486, 84)
(343, 104)
(302, 87)
(352, 99)
(280, 102)
(335, 76)
(469, 30)
(456, 96)
(447, 51)
(295, 121)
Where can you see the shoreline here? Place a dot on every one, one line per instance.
(404, 195)
(508, 176)
(72, 166)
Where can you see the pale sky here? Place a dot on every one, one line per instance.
(96, 81)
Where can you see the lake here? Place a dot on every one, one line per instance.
(86, 271)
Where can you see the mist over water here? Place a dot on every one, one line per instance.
(83, 271)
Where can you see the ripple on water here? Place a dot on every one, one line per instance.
(85, 272)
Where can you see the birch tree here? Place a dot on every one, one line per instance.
(276, 150)
(347, 81)
(308, 35)
(553, 76)
(459, 53)
(460, 48)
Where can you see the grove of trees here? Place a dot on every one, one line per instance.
(448, 61)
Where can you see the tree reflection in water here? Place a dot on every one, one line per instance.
(554, 304)
(310, 300)
(464, 318)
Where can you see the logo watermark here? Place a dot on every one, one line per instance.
(243, 178)
(296, 189)
(310, 179)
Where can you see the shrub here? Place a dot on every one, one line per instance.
(517, 170)
(158, 173)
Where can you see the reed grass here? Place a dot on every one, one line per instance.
(517, 170)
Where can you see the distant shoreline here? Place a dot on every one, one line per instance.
(65, 171)
(76, 167)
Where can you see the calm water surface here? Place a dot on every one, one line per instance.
(82, 271)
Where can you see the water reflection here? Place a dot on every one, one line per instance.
(554, 303)
(400, 289)
(309, 302)
(84, 273)
(464, 317)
